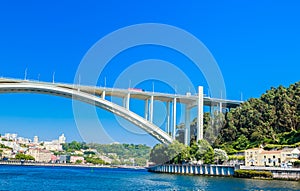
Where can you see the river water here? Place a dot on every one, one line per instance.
(76, 178)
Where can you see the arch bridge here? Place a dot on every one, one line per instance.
(97, 96)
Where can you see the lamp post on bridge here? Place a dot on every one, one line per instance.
(25, 74)
(53, 76)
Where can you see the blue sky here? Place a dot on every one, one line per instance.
(256, 45)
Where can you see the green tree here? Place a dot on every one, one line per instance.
(202, 151)
(213, 126)
(177, 152)
(158, 154)
(95, 160)
(74, 146)
(241, 143)
(220, 156)
(140, 161)
(21, 156)
(174, 153)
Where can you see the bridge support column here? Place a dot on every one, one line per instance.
(220, 107)
(174, 119)
(146, 109)
(126, 101)
(211, 109)
(200, 114)
(103, 94)
(187, 132)
(168, 117)
(151, 109)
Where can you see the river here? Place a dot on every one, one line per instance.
(78, 178)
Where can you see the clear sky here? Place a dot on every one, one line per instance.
(255, 43)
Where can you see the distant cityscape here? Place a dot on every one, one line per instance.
(14, 148)
(41, 151)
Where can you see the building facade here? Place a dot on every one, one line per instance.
(53, 145)
(75, 159)
(40, 155)
(260, 157)
(6, 153)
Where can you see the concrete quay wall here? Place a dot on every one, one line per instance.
(212, 170)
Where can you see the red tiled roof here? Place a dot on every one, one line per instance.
(253, 149)
(271, 152)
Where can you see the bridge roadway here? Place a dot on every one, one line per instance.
(96, 96)
(142, 95)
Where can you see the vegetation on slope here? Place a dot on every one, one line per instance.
(120, 154)
(177, 153)
(274, 118)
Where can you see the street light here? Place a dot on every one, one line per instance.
(25, 74)
(53, 76)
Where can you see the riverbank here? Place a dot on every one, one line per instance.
(278, 173)
(19, 163)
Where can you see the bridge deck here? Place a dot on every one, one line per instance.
(142, 95)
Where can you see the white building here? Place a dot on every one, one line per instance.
(15, 146)
(36, 140)
(10, 136)
(53, 145)
(22, 140)
(62, 139)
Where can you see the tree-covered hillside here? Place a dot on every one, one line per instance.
(124, 151)
(120, 154)
(273, 118)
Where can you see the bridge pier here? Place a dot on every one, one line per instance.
(168, 117)
(174, 119)
(151, 108)
(103, 94)
(126, 101)
(220, 107)
(200, 114)
(217, 107)
(187, 134)
(146, 109)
